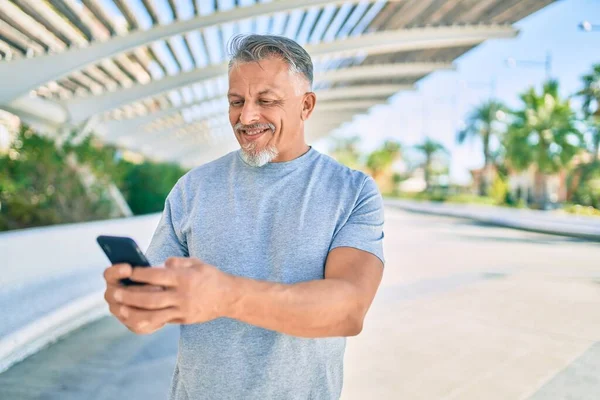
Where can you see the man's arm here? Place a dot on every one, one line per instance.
(334, 306)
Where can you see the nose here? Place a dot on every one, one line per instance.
(249, 114)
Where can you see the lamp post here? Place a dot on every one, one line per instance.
(547, 63)
(587, 26)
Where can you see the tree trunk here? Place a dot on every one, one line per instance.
(427, 174)
(541, 192)
(484, 181)
(484, 184)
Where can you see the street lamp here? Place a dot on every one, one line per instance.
(547, 63)
(587, 26)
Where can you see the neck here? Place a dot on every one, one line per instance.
(292, 153)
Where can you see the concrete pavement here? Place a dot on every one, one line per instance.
(465, 311)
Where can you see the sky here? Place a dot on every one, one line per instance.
(443, 99)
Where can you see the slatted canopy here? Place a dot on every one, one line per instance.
(151, 75)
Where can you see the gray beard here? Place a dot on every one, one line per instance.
(258, 158)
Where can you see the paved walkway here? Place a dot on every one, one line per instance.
(465, 311)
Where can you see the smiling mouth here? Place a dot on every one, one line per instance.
(254, 132)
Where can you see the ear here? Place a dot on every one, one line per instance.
(308, 105)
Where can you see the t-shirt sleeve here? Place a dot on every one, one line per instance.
(363, 229)
(168, 241)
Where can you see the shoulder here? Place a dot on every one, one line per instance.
(334, 171)
(198, 177)
(205, 173)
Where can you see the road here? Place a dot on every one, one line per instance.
(465, 311)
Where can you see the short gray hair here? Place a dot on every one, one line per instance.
(253, 48)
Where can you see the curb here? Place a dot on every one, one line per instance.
(570, 230)
(48, 329)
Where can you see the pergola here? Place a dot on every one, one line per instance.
(151, 75)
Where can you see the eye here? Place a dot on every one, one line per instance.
(265, 102)
(236, 103)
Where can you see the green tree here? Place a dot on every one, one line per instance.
(591, 106)
(582, 182)
(430, 148)
(380, 161)
(345, 151)
(146, 185)
(37, 187)
(485, 122)
(543, 133)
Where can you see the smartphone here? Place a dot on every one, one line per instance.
(123, 250)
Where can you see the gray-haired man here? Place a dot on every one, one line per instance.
(272, 254)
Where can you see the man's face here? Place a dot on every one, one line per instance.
(266, 109)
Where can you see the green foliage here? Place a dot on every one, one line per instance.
(100, 157)
(438, 195)
(345, 151)
(383, 158)
(591, 106)
(543, 132)
(38, 188)
(485, 122)
(146, 185)
(578, 209)
(591, 91)
(430, 148)
(499, 190)
(585, 179)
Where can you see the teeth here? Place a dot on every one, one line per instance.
(254, 132)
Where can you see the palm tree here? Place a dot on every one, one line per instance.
(484, 122)
(381, 160)
(543, 133)
(429, 148)
(582, 174)
(591, 94)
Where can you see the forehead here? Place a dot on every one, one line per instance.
(270, 73)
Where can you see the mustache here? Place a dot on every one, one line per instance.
(241, 127)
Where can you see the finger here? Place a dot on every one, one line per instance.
(115, 309)
(147, 300)
(144, 321)
(145, 288)
(155, 276)
(181, 262)
(109, 294)
(115, 273)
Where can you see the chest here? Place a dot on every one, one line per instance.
(282, 234)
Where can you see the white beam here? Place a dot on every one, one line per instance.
(372, 43)
(347, 105)
(43, 114)
(34, 72)
(382, 71)
(82, 108)
(363, 91)
(412, 39)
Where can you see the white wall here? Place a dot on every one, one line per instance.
(32, 254)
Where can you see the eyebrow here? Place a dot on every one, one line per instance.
(265, 91)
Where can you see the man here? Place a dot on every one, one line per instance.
(272, 254)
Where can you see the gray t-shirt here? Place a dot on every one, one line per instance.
(275, 223)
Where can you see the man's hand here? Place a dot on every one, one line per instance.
(187, 291)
